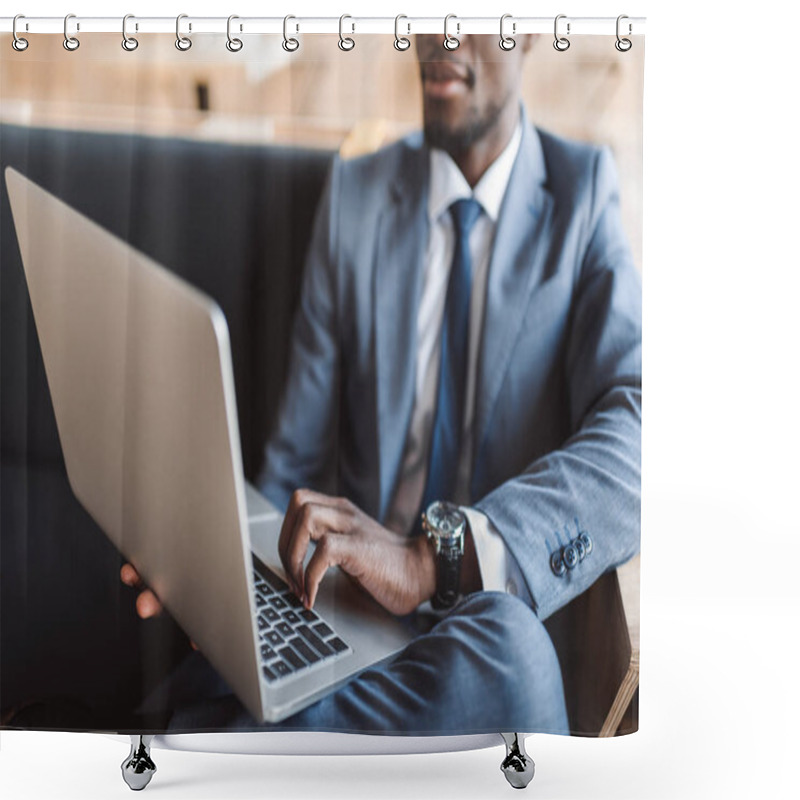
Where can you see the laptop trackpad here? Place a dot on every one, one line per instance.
(258, 507)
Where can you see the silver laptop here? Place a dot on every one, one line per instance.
(139, 369)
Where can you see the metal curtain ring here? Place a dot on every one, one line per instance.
(623, 45)
(71, 43)
(401, 43)
(451, 42)
(18, 43)
(507, 42)
(183, 43)
(128, 42)
(561, 43)
(234, 45)
(345, 42)
(289, 44)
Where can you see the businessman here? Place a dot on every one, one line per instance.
(468, 348)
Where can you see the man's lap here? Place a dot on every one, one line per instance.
(488, 666)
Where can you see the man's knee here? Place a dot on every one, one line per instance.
(508, 624)
(521, 666)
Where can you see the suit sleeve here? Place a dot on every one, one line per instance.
(592, 482)
(300, 450)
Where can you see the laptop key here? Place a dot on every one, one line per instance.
(309, 616)
(269, 674)
(270, 614)
(267, 653)
(304, 650)
(290, 616)
(262, 623)
(281, 668)
(260, 601)
(278, 584)
(314, 640)
(284, 629)
(323, 630)
(277, 602)
(292, 657)
(337, 644)
(274, 638)
(292, 600)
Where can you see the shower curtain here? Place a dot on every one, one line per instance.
(327, 193)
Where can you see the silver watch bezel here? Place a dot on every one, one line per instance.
(445, 538)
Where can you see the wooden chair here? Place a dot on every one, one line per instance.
(596, 637)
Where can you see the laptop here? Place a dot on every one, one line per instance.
(139, 368)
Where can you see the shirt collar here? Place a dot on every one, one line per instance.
(447, 183)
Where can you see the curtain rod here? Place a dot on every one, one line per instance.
(350, 25)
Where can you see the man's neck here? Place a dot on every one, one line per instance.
(474, 161)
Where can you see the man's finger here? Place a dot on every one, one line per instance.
(286, 534)
(299, 499)
(331, 551)
(129, 576)
(147, 605)
(296, 503)
(311, 523)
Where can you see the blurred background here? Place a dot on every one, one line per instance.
(316, 97)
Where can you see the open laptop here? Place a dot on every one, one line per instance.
(139, 369)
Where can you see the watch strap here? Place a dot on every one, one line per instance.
(448, 577)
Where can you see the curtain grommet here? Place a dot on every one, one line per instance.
(401, 43)
(346, 43)
(623, 45)
(451, 42)
(182, 43)
(129, 43)
(71, 43)
(234, 45)
(289, 44)
(18, 43)
(561, 43)
(507, 43)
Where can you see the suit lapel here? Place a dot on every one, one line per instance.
(520, 249)
(399, 267)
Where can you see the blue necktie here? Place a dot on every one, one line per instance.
(449, 421)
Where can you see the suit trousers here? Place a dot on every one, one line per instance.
(488, 666)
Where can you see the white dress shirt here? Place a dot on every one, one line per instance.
(498, 568)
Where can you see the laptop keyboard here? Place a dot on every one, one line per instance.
(293, 638)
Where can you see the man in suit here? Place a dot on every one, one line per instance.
(469, 331)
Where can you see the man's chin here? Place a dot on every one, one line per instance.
(451, 139)
(436, 133)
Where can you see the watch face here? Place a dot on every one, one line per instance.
(446, 518)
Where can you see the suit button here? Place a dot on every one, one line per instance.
(580, 547)
(511, 587)
(557, 564)
(588, 544)
(570, 556)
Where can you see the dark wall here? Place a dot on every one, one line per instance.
(234, 221)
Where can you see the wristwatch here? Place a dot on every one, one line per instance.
(446, 526)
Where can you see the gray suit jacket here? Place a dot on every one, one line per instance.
(558, 396)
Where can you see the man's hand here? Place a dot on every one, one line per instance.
(399, 572)
(147, 604)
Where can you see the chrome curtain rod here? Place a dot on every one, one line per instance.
(301, 25)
